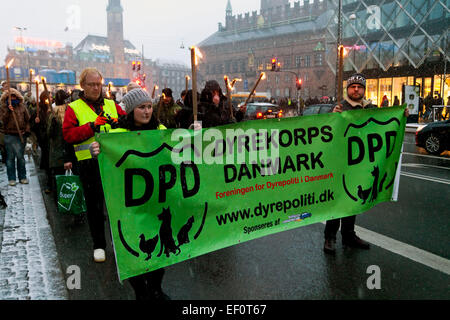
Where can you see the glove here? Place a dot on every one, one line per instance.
(100, 121)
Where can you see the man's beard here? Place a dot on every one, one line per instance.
(356, 98)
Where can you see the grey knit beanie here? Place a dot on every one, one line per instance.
(135, 98)
(356, 78)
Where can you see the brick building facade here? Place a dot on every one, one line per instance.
(295, 35)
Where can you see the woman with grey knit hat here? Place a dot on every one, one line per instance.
(138, 107)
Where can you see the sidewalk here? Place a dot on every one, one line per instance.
(29, 266)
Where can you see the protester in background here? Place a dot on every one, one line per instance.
(396, 101)
(61, 154)
(83, 118)
(214, 106)
(185, 117)
(169, 109)
(180, 101)
(385, 102)
(75, 95)
(14, 146)
(39, 128)
(428, 101)
(140, 116)
(356, 87)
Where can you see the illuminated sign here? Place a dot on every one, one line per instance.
(31, 42)
(131, 51)
(100, 48)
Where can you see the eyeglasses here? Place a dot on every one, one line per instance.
(92, 84)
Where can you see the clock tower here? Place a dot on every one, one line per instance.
(115, 38)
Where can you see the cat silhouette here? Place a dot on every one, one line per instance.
(375, 173)
(165, 234)
(183, 234)
(148, 246)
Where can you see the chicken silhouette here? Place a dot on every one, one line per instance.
(148, 246)
(363, 194)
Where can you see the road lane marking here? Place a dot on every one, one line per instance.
(427, 178)
(421, 256)
(405, 250)
(421, 166)
(424, 155)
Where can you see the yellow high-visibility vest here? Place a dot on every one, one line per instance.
(84, 115)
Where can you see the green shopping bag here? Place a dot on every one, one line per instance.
(70, 194)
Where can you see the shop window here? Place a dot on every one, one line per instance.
(427, 87)
(397, 88)
(372, 90)
(385, 88)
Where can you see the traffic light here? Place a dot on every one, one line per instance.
(133, 65)
(274, 64)
(298, 84)
(139, 66)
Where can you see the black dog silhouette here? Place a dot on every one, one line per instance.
(183, 234)
(148, 246)
(165, 234)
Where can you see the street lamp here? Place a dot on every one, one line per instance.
(21, 30)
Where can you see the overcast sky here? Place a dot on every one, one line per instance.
(161, 26)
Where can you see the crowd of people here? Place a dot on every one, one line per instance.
(64, 125)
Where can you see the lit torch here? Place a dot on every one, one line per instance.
(340, 87)
(187, 82)
(8, 81)
(160, 105)
(155, 87)
(229, 88)
(195, 56)
(44, 82)
(31, 80)
(262, 76)
(36, 81)
(109, 92)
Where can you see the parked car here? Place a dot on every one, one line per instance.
(317, 109)
(434, 137)
(262, 110)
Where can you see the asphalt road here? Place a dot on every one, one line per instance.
(409, 247)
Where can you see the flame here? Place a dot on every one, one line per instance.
(47, 101)
(263, 76)
(188, 78)
(163, 96)
(228, 83)
(10, 63)
(43, 79)
(156, 87)
(36, 79)
(31, 71)
(234, 82)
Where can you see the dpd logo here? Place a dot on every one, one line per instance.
(368, 146)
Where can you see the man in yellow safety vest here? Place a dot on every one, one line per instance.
(84, 117)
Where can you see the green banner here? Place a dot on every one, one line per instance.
(173, 195)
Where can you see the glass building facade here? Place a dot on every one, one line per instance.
(393, 43)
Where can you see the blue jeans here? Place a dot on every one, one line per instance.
(15, 150)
